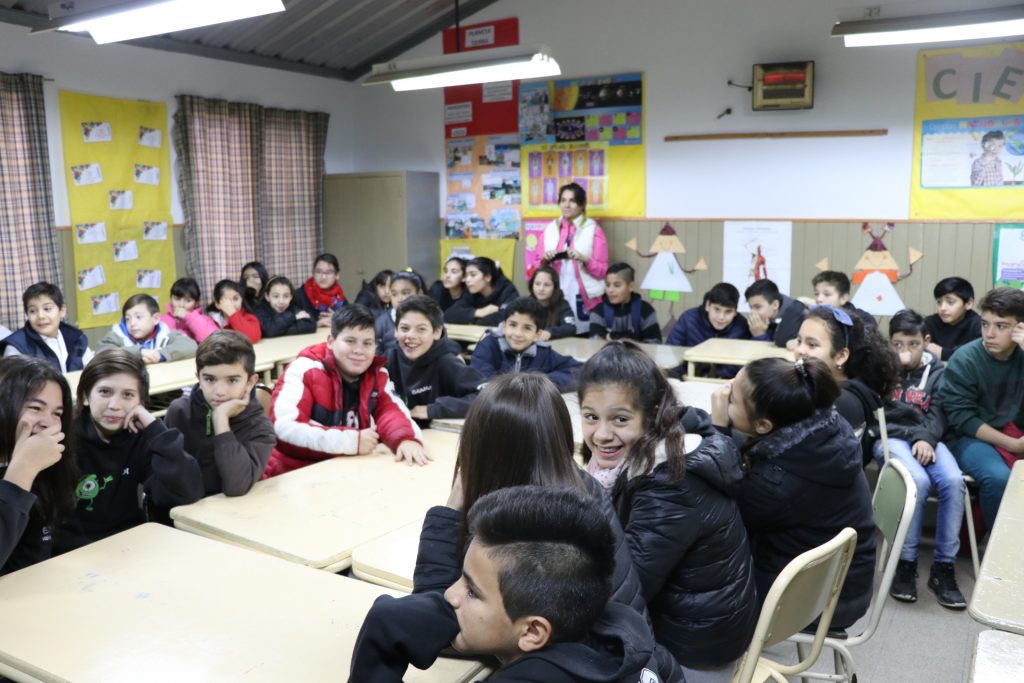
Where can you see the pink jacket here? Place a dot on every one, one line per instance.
(195, 324)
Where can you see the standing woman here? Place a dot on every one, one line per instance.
(576, 247)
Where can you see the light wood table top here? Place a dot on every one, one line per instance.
(730, 352)
(156, 604)
(390, 560)
(998, 598)
(316, 515)
(667, 357)
(466, 333)
(998, 658)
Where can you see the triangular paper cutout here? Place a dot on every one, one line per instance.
(822, 264)
(631, 245)
(701, 264)
(877, 296)
(666, 274)
(915, 255)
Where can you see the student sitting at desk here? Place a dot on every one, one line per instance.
(321, 294)
(622, 314)
(427, 371)
(954, 323)
(231, 312)
(45, 335)
(533, 593)
(488, 291)
(278, 313)
(402, 285)
(140, 331)
(518, 347)
(716, 318)
(185, 314)
(773, 316)
(832, 288)
(120, 447)
(336, 398)
(222, 421)
(37, 469)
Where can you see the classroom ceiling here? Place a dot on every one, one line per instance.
(331, 38)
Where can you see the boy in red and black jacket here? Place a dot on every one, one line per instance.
(336, 398)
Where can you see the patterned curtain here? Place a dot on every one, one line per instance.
(251, 184)
(28, 244)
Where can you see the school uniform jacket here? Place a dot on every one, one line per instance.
(694, 326)
(28, 342)
(241, 321)
(641, 327)
(274, 324)
(195, 324)
(461, 311)
(307, 411)
(172, 345)
(805, 484)
(438, 379)
(493, 356)
(24, 540)
(111, 473)
(230, 462)
(384, 328)
(442, 296)
(913, 413)
(414, 629)
(690, 549)
(566, 326)
(952, 337)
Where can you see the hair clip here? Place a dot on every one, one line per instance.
(800, 369)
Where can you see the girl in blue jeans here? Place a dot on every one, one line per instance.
(915, 424)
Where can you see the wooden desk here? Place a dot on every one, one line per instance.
(466, 333)
(316, 515)
(730, 352)
(998, 658)
(667, 357)
(390, 560)
(998, 598)
(156, 604)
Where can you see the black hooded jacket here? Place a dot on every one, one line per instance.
(462, 310)
(438, 379)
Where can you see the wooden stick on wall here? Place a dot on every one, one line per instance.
(783, 134)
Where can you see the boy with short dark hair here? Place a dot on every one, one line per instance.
(982, 396)
(954, 323)
(832, 288)
(426, 367)
(533, 593)
(518, 348)
(222, 420)
(141, 331)
(622, 314)
(915, 428)
(336, 398)
(45, 335)
(715, 318)
(773, 316)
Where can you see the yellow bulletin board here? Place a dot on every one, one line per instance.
(502, 251)
(118, 169)
(969, 134)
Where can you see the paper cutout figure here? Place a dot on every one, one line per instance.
(106, 303)
(148, 279)
(91, 277)
(97, 131)
(121, 200)
(126, 251)
(91, 233)
(665, 278)
(877, 296)
(147, 175)
(150, 137)
(86, 174)
(154, 230)
(822, 265)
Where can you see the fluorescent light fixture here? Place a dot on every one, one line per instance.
(996, 22)
(112, 21)
(512, 63)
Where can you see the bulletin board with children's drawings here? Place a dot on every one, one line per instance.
(118, 168)
(968, 159)
(589, 131)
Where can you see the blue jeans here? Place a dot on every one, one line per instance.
(948, 482)
(983, 462)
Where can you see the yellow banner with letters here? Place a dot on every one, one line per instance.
(118, 166)
(969, 134)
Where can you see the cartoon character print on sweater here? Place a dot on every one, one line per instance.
(89, 487)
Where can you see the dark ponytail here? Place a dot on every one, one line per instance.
(624, 364)
(784, 392)
(488, 268)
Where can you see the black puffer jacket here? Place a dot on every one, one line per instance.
(462, 311)
(690, 550)
(439, 564)
(805, 484)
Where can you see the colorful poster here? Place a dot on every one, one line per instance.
(1008, 256)
(120, 201)
(502, 251)
(588, 131)
(757, 250)
(533, 233)
(484, 190)
(969, 134)
(481, 108)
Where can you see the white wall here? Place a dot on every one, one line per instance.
(688, 51)
(123, 71)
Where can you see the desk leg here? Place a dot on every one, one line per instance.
(691, 370)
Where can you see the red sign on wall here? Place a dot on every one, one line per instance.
(482, 108)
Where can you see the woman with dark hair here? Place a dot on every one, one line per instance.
(253, 280)
(576, 246)
(322, 294)
(805, 482)
(37, 465)
(488, 291)
(861, 361)
(547, 290)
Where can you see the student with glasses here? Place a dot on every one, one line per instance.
(322, 294)
(861, 362)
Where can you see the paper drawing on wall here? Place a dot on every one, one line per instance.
(758, 262)
(666, 278)
(876, 271)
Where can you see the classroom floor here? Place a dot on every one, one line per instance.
(918, 642)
